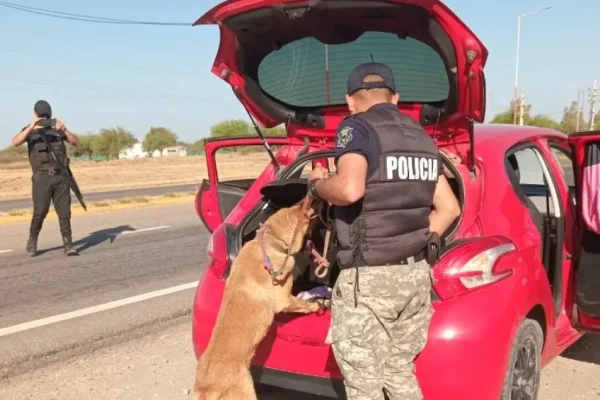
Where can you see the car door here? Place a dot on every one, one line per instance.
(560, 155)
(217, 198)
(586, 156)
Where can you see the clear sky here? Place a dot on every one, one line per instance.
(99, 75)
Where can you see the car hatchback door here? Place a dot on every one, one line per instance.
(586, 152)
(216, 199)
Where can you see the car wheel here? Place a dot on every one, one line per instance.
(522, 380)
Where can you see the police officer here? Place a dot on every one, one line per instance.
(49, 184)
(391, 200)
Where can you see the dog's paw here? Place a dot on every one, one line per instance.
(318, 305)
(325, 304)
(313, 307)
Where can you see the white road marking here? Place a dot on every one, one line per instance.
(146, 229)
(6, 251)
(95, 309)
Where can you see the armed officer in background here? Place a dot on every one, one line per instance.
(49, 184)
(392, 203)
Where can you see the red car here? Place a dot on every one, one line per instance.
(518, 281)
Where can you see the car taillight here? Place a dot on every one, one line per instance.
(218, 251)
(471, 266)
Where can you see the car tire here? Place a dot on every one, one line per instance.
(522, 379)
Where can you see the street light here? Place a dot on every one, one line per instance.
(517, 58)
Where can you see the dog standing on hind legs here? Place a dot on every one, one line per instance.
(258, 287)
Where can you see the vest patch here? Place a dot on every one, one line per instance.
(411, 168)
(344, 137)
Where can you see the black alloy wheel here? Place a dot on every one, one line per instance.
(522, 378)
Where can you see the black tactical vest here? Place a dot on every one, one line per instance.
(391, 222)
(40, 157)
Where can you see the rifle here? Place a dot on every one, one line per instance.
(65, 170)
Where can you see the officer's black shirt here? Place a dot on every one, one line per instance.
(36, 136)
(355, 136)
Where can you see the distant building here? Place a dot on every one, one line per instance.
(137, 151)
(175, 151)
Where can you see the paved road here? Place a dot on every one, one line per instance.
(140, 350)
(123, 254)
(160, 365)
(7, 205)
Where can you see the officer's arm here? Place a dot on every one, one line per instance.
(445, 207)
(71, 138)
(21, 137)
(347, 186)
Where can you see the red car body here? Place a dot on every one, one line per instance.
(499, 270)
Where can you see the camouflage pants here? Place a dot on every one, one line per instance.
(376, 339)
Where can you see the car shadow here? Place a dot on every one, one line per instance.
(94, 239)
(586, 349)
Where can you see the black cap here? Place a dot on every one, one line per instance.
(355, 80)
(42, 109)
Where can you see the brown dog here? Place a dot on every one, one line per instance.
(251, 299)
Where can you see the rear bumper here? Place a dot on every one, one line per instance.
(313, 385)
(469, 341)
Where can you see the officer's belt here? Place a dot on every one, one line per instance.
(50, 172)
(420, 256)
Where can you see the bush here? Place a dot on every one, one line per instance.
(13, 154)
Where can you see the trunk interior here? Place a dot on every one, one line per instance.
(304, 273)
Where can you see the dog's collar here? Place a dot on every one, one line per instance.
(268, 264)
(260, 234)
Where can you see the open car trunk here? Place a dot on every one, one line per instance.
(285, 193)
(287, 61)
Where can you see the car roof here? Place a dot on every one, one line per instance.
(504, 136)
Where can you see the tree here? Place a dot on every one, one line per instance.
(543, 121)
(159, 138)
(110, 142)
(231, 127)
(198, 147)
(275, 131)
(86, 146)
(506, 117)
(568, 124)
(240, 127)
(539, 120)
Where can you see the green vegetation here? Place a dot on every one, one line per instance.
(109, 142)
(568, 123)
(159, 139)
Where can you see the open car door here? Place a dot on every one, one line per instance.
(216, 199)
(586, 150)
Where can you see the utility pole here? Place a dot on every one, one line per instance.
(521, 108)
(593, 96)
(579, 106)
(519, 18)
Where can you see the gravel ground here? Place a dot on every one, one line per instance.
(161, 366)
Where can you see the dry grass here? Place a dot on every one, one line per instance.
(15, 178)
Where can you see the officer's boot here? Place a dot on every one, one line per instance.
(31, 248)
(69, 249)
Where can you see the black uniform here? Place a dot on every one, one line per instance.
(48, 183)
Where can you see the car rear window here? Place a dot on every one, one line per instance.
(296, 74)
